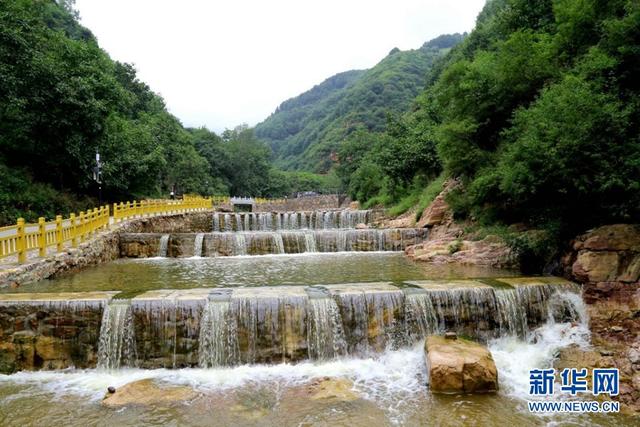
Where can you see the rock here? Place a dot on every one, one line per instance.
(460, 366)
(111, 389)
(492, 251)
(596, 266)
(615, 237)
(450, 336)
(333, 388)
(435, 213)
(362, 226)
(148, 392)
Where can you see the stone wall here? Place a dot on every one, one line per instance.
(103, 247)
(607, 261)
(50, 334)
(326, 201)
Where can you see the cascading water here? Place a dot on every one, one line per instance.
(163, 246)
(117, 345)
(216, 222)
(325, 334)
(240, 244)
(238, 220)
(218, 340)
(227, 223)
(198, 244)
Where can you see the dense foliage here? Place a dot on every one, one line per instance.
(537, 111)
(62, 98)
(306, 130)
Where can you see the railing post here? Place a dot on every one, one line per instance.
(107, 217)
(81, 227)
(115, 213)
(59, 238)
(42, 238)
(96, 221)
(74, 231)
(21, 243)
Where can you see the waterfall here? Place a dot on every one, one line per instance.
(238, 222)
(419, 311)
(227, 223)
(247, 225)
(218, 339)
(309, 242)
(325, 335)
(198, 245)
(293, 221)
(372, 321)
(303, 220)
(278, 243)
(116, 345)
(163, 247)
(216, 222)
(240, 244)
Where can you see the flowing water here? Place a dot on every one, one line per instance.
(137, 275)
(254, 337)
(197, 245)
(387, 389)
(116, 345)
(273, 221)
(163, 246)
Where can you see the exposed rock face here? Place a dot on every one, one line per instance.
(148, 392)
(340, 389)
(607, 261)
(492, 251)
(460, 366)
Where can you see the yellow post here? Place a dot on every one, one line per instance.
(21, 243)
(115, 213)
(96, 221)
(74, 231)
(59, 239)
(107, 216)
(42, 238)
(81, 226)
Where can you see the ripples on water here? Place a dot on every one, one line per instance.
(391, 386)
(298, 269)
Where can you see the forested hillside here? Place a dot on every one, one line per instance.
(537, 112)
(62, 99)
(305, 130)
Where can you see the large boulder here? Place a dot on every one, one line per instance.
(148, 392)
(459, 366)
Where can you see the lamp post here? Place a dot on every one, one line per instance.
(97, 176)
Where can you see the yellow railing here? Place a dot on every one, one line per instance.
(22, 238)
(261, 200)
(220, 200)
(134, 209)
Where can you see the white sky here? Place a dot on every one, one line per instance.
(223, 63)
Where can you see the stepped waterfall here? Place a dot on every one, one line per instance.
(233, 326)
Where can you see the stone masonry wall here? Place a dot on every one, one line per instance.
(102, 248)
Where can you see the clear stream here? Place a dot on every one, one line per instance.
(391, 385)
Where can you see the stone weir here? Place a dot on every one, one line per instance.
(140, 245)
(232, 326)
(272, 221)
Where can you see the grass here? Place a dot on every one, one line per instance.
(428, 194)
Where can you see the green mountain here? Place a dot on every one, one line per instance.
(304, 131)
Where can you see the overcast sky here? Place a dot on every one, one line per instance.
(223, 63)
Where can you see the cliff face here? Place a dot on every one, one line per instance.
(606, 261)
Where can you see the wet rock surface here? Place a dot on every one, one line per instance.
(459, 366)
(148, 392)
(606, 261)
(492, 251)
